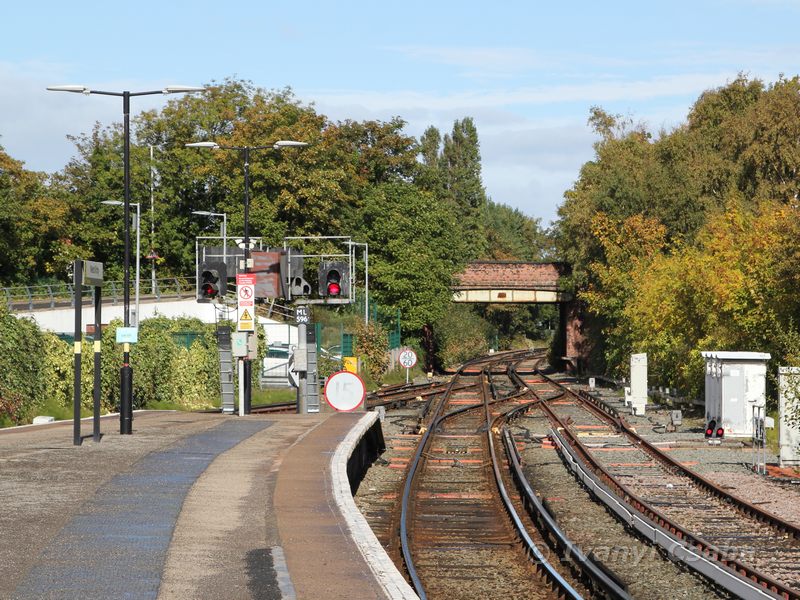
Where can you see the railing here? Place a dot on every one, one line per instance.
(60, 295)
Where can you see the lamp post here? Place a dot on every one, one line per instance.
(152, 255)
(246, 150)
(208, 213)
(366, 279)
(126, 372)
(138, 248)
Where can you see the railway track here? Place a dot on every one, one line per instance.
(464, 530)
(749, 552)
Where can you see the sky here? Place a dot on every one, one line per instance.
(527, 72)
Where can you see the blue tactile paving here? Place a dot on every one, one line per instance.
(116, 546)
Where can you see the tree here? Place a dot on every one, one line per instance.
(414, 252)
(460, 168)
(512, 235)
(36, 225)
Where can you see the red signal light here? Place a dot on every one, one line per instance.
(712, 425)
(334, 289)
(211, 283)
(720, 432)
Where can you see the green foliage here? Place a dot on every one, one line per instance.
(372, 346)
(414, 252)
(22, 362)
(513, 236)
(167, 373)
(453, 175)
(37, 369)
(689, 241)
(460, 334)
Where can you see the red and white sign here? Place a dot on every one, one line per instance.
(407, 358)
(345, 391)
(245, 296)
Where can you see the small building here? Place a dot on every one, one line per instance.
(735, 390)
(636, 394)
(789, 434)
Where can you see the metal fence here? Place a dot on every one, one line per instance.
(60, 295)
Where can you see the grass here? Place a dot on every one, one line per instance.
(53, 408)
(399, 375)
(772, 434)
(273, 396)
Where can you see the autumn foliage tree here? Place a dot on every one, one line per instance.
(688, 240)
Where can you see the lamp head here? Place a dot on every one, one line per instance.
(177, 89)
(77, 89)
(213, 145)
(288, 144)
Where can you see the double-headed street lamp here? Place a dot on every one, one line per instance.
(245, 150)
(126, 372)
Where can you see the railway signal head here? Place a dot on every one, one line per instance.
(713, 430)
(333, 279)
(213, 281)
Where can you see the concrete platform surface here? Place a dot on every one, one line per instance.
(189, 506)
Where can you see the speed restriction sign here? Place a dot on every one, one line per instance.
(345, 391)
(408, 358)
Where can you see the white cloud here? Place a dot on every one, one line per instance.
(592, 92)
(477, 61)
(35, 123)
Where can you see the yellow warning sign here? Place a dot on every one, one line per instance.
(245, 321)
(350, 363)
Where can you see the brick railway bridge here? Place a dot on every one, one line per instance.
(506, 282)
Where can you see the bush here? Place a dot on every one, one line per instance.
(166, 373)
(460, 335)
(372, 346)
(36, 369)
(22, 368)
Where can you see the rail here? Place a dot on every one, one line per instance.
(548, 571)
(611, 586)
(724, 570)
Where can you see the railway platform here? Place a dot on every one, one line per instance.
(189, 506)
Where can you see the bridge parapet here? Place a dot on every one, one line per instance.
(511, 282)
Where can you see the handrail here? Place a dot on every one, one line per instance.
(53, 295)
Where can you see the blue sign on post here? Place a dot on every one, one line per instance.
(127, 335)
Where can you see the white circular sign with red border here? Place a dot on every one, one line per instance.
(407, 358)
(344, 391)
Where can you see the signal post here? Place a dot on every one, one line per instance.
(245, 323)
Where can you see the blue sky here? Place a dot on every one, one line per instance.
(527, 72)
